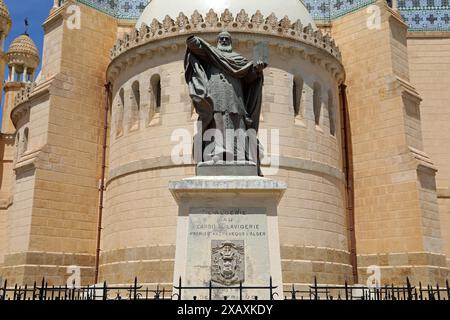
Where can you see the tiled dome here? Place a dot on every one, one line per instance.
(4, 12)
(24, 45)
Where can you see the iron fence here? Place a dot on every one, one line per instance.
(136, 291)
(211, 289)
(360, 292)
(104, 291)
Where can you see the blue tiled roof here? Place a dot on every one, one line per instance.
(420, 15)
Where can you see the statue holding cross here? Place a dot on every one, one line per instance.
(226, 91)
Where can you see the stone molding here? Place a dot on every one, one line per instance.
(49, 259)
(443, 193)
(166, 162)
(402, 259)
(170, 34)
(33, 159)
(23, 97)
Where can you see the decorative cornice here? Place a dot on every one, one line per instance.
(212, 22)
(171, 33)
(443, 193)
(5, 203)
(31, 90)
(24, 93)
(33, 159)
(422, 160)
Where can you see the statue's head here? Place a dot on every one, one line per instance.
(224, 42)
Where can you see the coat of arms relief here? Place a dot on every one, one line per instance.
(227, 261)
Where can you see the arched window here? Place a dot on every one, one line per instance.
(331, 113)
(155, 84)
(119, 112)
(135, 105)
(25, 141)
(297, 87)
(317, 102)
(17, 145)
(155, 100)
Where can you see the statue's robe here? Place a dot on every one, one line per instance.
(222, 82)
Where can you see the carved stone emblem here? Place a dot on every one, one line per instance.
(227, 261)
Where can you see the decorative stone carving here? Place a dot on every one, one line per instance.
(285, 23)
(24, 93)
(227, 262)
(272, 20)
(258, 18)
(211, 17)
(168, 23)
(318, 35)
(196, 18)
(297, 26)
(258, 24)
(226, 17)
(242, 18)
(309, 30)
(143, 30)
(182, 20)
(155, 26)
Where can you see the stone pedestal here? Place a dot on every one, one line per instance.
(227, 234)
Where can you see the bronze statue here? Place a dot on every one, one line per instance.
(226, 92)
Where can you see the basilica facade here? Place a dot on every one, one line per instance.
(358, 91)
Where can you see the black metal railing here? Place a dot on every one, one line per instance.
(211, 289)
(95, 292)
(359, 292)
(136, 291)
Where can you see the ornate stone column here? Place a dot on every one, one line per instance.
(13, 73)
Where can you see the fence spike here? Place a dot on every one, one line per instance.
(438, 291)
(448, 290)
(346, 290)
(4, 289)
(315, 288)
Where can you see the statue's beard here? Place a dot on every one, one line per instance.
(228, 48)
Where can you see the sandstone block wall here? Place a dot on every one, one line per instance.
(395, 196)
(55, 204)
(429, 65)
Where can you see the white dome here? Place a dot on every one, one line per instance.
(294, 9)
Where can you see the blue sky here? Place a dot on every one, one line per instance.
(36, 11)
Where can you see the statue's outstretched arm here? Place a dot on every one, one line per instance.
(196, 46)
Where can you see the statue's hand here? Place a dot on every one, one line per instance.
(259, 66)
(193, 41)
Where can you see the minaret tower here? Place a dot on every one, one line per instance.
(5, 27)
(23, 59)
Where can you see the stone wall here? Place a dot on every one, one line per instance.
(56, 198)
(429, 65)
(395, 197)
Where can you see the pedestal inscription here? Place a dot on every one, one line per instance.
(230, 246)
